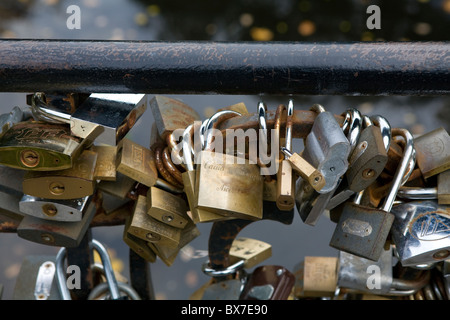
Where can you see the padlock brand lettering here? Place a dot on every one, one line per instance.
(229, 189)
(430, 226)
(211, 165)
(357, 227)
(40, 134)
(137, 154)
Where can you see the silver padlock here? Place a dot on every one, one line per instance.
(16, 115)
(312, 204)
(229, 289)
(107, 118)
(421, 232)
(362, 230)
(68, 210)
(327, 148)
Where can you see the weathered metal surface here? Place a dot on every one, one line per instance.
(375, 68)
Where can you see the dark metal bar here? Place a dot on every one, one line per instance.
(378, 68)
(141, 276)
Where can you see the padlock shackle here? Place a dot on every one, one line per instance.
(41, 111)
(211, 126)
(353, 125)
(385, 127)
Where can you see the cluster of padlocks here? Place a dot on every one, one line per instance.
(65, 169)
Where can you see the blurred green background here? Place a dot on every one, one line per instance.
(245, 20)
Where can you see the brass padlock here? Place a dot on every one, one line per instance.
(138, 245)
(168, 254)
(136, 162)
(120, 188)
(167, 208)
(252, 251)
(73, 183)
(105, 168)
(228, 185)
(189, 177)
(149, 229)
(39, 146)
(319, 276)
(171, 114)
(433, 152)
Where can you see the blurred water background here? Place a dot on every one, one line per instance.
(244, 20)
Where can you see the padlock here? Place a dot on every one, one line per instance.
(109, 117)
(167, 208)
(40, 146)
(189, 178)
(224, 185)
(136, 244)
(36, 279)
(327, 148)
(69, 210)
(171, 114)
(270, 282)
(76, 182)
(362, 230)
(105, 168)
(136, 162)
(366, 162)
(120, 188)
(319, 277)
(252, 251)
(365, 275)
(168, 254)
(285, 176)
(149, 229)
(238, 107)
(433, 152)
(421, 232)
(56, 233)
(443, 187)
(16, 115)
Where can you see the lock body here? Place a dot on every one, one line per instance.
(167, 208)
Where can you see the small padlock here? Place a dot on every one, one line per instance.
(68, 210)
(171, 114)
(56, 233)
(433, 152)
(138, 245)
(285, 175)
(421, 232)
(224, 185)
(107, 116)
(120, 188)
(39, 146)
(316, 277)
(149, 229)
(252, 251)
(76, 182)
(327, 148)
(363, 231)
(167, 208)
(167, 254)
(136, 162)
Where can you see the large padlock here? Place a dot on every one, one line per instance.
(362, 230)
(189, 182)
(421, 232)
(76, 182)
(107, 118)
(226, 184)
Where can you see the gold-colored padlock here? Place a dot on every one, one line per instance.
(76, 182)
(167, 208)
(105, 168)
(120, 188)
(252, 251)
(136, 162)
(39, 146)
(320, 276)
(149, 229)
(138, 245)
